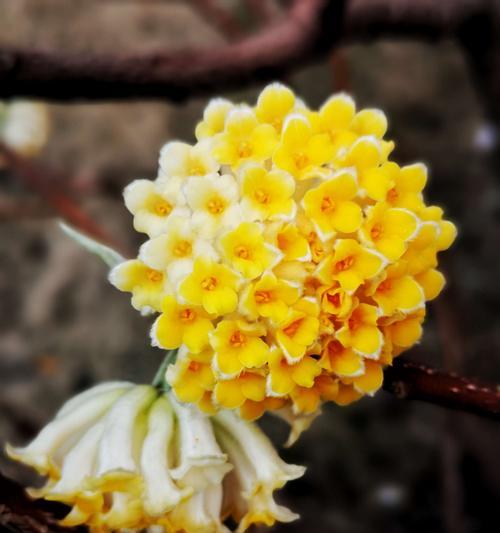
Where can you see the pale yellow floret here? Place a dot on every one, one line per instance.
(212, 286)
(266, 195)
(214, 201)
(244, 139)
(331, 208)
(214, 118)
(152, 203)
(238, 345)
(181, 160)
(246, 251)
(147, 285)
(301, 152)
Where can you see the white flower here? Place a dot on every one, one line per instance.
(152, 204)
(181, 160)
(214, 202)
(175, 250)
(128, 457)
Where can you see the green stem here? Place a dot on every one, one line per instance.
(159, 379)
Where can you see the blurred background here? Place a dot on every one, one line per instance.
(380, 465)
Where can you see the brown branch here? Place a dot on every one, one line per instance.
(412, 381)
(311, 29)
(49, 186)
(220, 17)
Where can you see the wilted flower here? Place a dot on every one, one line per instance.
(129, 457)
(296, 256)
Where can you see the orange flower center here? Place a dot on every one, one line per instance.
(385, 286)
(261, 196)
(376, 231)
(327, 205)
(209, 284)
(334, 348)
(215, 206)
(154, 276)
(237, 339)
(392, 195)
(163, 208)
(344, 264)
(194, 366)
(242, 252)
(183, 248)
(187, 315)
(283, 242)
(301, 160)
(334, 299)
(262, 297)
(292, 328)
(244, 149)
(354, 322)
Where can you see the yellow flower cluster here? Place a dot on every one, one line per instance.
(289, 258)
(126, 457)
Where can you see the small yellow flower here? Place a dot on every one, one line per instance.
(432, 282)
(351, 265)
(268, 297)
(238, 346)
(181, 160)
(370, 122)
(152, 203)
(266, 195)
(175, 250)
(147, 285)
(335, 301)
(233, 393)
(336, 114)
(292, 244)
(406, 332)
(298, 330)
(244, 139)
(370, 381)
(214, 202)
(301, 152)
(397, 291)
(331, 208)
(191, 376)
(360, 331)
(181, 324)
(341, 361)
(214, 118)
(389, 230)
(211, 285)
(283, 377)
(246, 251)
(407, 186)
(275, 102)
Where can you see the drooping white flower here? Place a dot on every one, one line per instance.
(127, 457)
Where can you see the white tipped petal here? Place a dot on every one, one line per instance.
(117, 451)
(160, 492)
(63, 431)
(270, 468)
(201, 461)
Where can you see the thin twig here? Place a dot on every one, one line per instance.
(413, 381)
